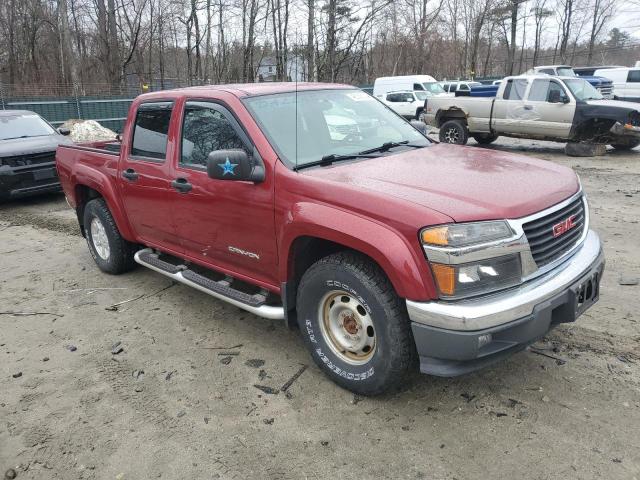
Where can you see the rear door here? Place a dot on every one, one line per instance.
(225, 224)
(509, 113)
(144, 184)
(545, 117)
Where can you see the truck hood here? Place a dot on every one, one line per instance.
(29, 145)
(597, 81)
(464, 183)
(627, 106)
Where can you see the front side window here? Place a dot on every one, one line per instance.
(515, 88)
(417, 86)
(541, 90)
(151, 130)
(206, 129)
(23, 126)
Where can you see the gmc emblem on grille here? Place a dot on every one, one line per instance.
(564, 226)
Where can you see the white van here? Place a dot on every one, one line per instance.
(626, 82)
(419, 83)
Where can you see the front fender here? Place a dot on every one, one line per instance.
(403, 263)
(105, 185)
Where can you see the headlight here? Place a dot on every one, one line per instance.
(469, 259)
(464, 234)
(470, 279)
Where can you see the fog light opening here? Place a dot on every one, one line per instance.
(485, 339)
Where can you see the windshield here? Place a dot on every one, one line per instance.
(583, 90)
(433, 88)
(324, 123)
(566, 72)
(22, 126)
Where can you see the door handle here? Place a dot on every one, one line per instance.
(182, 185)
(130, 174)
(528, 107)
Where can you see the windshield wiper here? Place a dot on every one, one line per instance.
(386, 146)
(329, 159)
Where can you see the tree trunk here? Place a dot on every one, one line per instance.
(311, 67)
(114, 52)
(331, 41)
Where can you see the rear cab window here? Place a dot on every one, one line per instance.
(150, 131)
(515, 89)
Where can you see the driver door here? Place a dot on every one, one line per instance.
(225, 224)
(549, 117)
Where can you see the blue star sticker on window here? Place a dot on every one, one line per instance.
(227, 167)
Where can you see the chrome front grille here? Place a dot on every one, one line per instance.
(606, 91)
(553, 235)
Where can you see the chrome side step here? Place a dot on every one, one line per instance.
(219, 289)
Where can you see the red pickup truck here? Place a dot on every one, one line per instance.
(320, 206)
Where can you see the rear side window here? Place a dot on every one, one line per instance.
(633, 76)
(393, 97)
(514, 89)
(151, 129)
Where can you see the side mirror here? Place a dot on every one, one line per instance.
(411, 99)
(64, 131)
(565, 99)
(233, 165)
(556, 96)
(420, 126)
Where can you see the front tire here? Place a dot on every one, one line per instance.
(454, 132)
(111, 252)
(354, 324)
(485, 139)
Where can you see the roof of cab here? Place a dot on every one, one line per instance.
(248, 89)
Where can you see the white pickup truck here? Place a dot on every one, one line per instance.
(562, 109)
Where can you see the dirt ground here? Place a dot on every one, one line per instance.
(180, 400)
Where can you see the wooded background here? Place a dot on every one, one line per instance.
(103, 46)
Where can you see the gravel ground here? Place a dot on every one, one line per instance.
(180, 400)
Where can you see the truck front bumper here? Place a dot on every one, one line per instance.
(28, 180)
(453, 338)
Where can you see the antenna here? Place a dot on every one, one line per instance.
(296, 94)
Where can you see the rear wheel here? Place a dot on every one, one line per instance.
(112, 253)
(354, 324)
(626, 146)
(454, 131)
(485, 139)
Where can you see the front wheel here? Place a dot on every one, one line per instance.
(485, 138)
(354, 324)
(626, 146)
(111, 252)
(454, 131)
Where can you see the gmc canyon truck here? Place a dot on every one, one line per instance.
(387, 250)
(562, 109)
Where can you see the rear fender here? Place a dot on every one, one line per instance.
(402, 263)
(104, 185)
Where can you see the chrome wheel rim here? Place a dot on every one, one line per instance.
(347, 327)
(99, 239)
(451, 135)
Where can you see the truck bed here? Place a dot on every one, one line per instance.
(477, 110)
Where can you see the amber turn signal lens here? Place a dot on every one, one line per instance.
(436, 236)
(445, 276)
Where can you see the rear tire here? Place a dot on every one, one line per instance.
(354, 324)
(454, 132)
(626, 146)
(111, 252)
(485, 139)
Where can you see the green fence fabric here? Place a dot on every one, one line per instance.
(109, 111)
